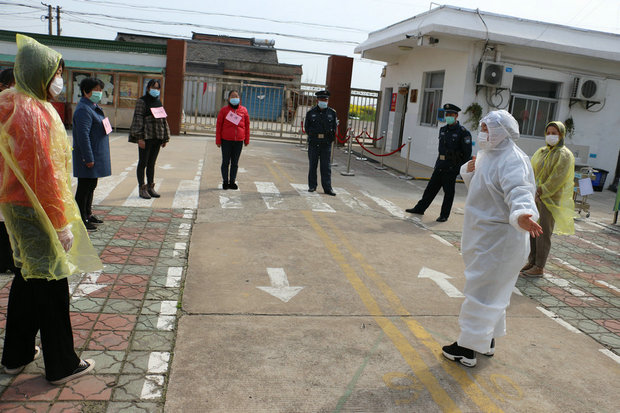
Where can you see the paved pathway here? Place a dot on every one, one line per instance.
(124, 318)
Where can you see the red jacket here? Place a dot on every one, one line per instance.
(227, 130)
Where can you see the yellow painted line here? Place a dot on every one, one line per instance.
(468, 385)
(283, 172)
(273, 172)
(411, 356)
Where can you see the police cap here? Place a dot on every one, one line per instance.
(449, 107)
(322, 94)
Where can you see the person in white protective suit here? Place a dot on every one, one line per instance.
(500, 216)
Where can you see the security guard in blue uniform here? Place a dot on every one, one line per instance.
(320, 125)
(454, 151)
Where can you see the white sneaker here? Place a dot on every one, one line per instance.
(17, 370)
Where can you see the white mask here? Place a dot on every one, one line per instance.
(483, 140)
(552, 140)
(56, 86)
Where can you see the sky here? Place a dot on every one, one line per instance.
(323, 26)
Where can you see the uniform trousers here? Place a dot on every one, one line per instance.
(84, 196)
(320, 153)
(231, 152)
(146, 160)
(441, 178)
(540, 246)
(39, 305)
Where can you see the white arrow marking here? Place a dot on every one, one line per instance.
(441, 280)
(279, 285)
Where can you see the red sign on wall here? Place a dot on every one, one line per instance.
(393, 105)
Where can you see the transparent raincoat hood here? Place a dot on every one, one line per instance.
(35, 184)
(554, 169)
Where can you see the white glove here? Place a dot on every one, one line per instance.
(65, 236)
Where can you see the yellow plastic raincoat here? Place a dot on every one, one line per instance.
(35, 165)
(554, 169)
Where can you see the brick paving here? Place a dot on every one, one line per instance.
(580, 281)
(124, 318)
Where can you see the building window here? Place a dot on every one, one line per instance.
(431, 101)
(534, 104)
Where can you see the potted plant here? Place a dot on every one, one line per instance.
(475, 114)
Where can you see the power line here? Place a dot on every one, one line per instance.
(209, 27)
(170, 9)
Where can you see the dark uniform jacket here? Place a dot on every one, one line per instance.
(90, 142)
(454, 146)
(320, 125)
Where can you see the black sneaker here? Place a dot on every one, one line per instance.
(90, 226)
(463, 355)
(442, 219)
(233, 185)
(311, 189)
(83, 368)
(413, 211)
(225, 185)
(95, 219)
(491, 352)
(330, 192)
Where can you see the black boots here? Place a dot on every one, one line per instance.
(151, 190)
(147, 191)
(144, 192)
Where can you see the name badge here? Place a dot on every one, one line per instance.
(321, 135)
(442, 157)
(107, 126)
(233, 117)
(159, 112)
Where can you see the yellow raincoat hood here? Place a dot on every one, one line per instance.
(35, 184)
(554, 169)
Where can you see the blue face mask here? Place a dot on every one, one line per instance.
(154, 92)
(450, 120)
(234, 101)
(96, 96)
(322, 104)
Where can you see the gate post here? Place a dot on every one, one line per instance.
(338, 82)
(175, 74)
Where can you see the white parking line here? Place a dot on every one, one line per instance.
(152, 387)
(558, 320)
(174, 277)
(443, 241)
(270, 194)
(606, 284)
(596, 245)
(568, 265)
(106, 185)
(351, 201)
(314, 199)
(186, 195)
(611, 355)
(135, 201)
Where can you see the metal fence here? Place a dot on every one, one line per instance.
(276, 109)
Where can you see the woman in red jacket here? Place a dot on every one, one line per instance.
(231, 132)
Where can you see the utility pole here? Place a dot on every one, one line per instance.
(58, 30)
(49, 18)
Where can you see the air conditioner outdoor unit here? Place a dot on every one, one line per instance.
(494, 74)
(590, 89)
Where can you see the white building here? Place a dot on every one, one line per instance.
(537, 71)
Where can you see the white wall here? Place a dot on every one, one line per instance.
(597, 129)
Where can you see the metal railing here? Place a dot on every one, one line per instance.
(277, 108)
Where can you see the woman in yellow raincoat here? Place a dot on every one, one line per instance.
(47, 235)
(554, 169)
